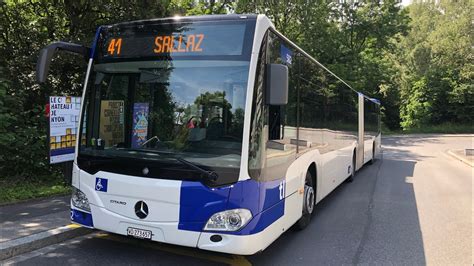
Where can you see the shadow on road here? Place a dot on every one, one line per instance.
(372, 220)
(33, 208)
(393, 231)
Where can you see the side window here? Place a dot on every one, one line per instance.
(257, 139)
(281, 123)
(371, 118)
(282, 120)
(343, 121)
(328, 110)
(312, 105)
(273, 129)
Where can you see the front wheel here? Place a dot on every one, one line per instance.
(309, 199)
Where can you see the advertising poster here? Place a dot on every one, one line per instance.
(63, 121)
(140, 124)
(111, 122)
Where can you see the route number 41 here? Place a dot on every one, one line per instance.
(115, 46)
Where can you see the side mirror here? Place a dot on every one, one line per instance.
(277, 84)
(47, 53)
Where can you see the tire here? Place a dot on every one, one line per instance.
(351, 177)
(309, 199)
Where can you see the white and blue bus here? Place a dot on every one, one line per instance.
(214, 132)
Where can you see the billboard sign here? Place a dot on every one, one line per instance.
(63, 124)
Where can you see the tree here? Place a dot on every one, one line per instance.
(436, 63)
(200, 7)
(354, 40)
(27, 26)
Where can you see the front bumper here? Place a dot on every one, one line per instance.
(168, 232)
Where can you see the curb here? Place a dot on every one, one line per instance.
(25, 244)
(429, 135)
(460, 158)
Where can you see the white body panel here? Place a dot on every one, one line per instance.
(161, 195)
(162, 231)
(368, 144)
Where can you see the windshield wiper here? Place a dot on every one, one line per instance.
(211, 175)
(148, 140)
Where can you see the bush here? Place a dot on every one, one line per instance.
(23, 146)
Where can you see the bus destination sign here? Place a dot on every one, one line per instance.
(163, 44)
(194, 40)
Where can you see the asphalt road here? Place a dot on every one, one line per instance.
(413, 206)
(33, 216)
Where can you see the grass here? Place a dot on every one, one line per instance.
(446, 128)
(19, 189)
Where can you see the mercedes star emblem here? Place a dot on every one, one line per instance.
(145, 171)
(141, 210)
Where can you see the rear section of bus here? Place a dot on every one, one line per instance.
(161, 136)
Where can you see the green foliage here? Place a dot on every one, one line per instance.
(436, 65)
(200, 7)
(12, 190)
(443, 128)
(27, 26)
(416, 109)
(355, 41)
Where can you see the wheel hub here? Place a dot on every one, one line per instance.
(308, 199)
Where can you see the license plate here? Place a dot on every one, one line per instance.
(139, 233)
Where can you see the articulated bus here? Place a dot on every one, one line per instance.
(215, 132)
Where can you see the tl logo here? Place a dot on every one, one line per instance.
(281, 188)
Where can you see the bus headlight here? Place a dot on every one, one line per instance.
(79, 200)
(231, 220)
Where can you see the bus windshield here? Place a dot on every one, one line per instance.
(171, 96)
(191, 108)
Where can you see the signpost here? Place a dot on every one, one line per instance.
(64, 114)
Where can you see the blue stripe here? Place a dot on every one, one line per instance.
(82, 218)
(263, 219)
(62, 151)
(94, 45)
(198, 203)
